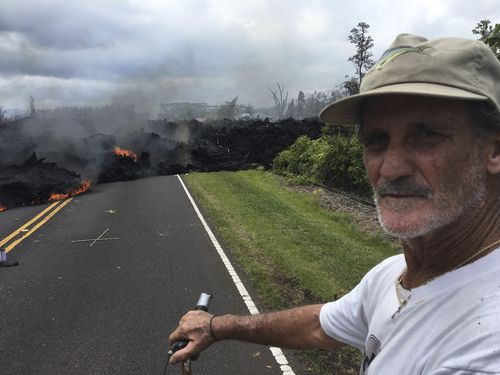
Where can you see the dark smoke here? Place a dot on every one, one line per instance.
(57, 150)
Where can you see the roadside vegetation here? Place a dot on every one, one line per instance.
(334, 160)
(293, 250)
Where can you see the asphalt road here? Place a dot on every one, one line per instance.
(72, 308)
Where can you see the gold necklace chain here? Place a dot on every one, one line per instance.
(487, 247)
(403, 302)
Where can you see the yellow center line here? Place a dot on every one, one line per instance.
(32, 230)
(16, 232)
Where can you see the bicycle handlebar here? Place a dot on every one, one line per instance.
(202, 304)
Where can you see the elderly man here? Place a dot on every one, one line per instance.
(429, 115)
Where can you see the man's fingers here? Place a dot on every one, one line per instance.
(175, 336)
(183, 354)
(181, 332)
(194, 328)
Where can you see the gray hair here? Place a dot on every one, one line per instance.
(486, 117)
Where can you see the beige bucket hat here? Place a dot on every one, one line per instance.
(452, 68)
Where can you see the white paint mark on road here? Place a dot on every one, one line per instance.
(100, 238)
(277, 352)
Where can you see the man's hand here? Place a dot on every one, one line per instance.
(297, 328)
(194, 327)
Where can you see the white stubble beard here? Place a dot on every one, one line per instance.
(452, 200)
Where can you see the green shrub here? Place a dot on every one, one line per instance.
(335, 160)
(298, 161)
(342, 165)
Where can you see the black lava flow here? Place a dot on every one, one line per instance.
(32, 169)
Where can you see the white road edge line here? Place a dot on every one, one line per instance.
(276, 352)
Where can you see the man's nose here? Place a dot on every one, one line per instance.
(397, 163)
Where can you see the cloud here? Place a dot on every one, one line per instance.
(153, 51)
(66, 25)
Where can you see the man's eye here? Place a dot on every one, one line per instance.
(428, 135)
(375, 141)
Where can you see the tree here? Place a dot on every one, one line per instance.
(301, 104)
(248, 109)
(291, 110)
(32, 108)
(228, 110)
(280, 101)
(339, 92)
(483, 29)
(489, 35)
(315, 102)
(493, 41)
(310, 105)
(351, 85)
(364, 43)
(2, 115)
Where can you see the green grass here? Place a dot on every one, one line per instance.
(268, 226)
(293, 250)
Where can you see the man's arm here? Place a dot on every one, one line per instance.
(298, 328)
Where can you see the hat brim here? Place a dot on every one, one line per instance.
(348, 110)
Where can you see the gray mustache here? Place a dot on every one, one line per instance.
(402, 187)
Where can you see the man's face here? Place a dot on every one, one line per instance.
(424, 162)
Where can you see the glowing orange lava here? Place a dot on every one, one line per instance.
(71, 192)
(2, 207)
(125, 153)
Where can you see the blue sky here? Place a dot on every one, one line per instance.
(147, 52)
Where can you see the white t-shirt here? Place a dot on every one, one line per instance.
(449, 326)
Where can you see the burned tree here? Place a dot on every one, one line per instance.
(280, 101)
(291, 111)
(301, 104)
(32, 108)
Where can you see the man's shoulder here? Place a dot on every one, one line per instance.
(382, 276)
(389, 266)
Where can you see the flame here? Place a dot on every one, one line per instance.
(125, 153)
(2, 207)
(74, 191)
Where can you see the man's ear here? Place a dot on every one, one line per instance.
(494, 155)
